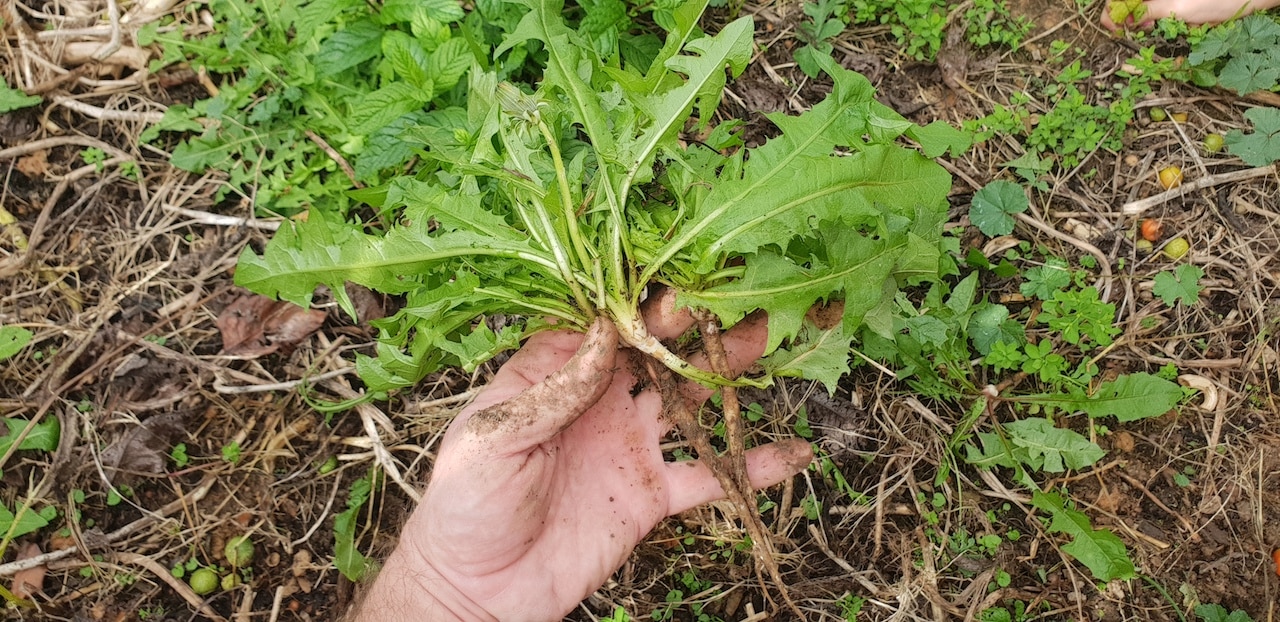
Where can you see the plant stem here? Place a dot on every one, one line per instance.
(562, 261)
(566, 198)
(634, 333)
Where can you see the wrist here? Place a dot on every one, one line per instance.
(408, 588)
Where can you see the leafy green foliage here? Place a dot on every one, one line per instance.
(336, 68)
(43, 437)
(25, 521)
(346, 557)
(1081, 318)
(1045, 280)
(1218, 613)
(993, 207)
(825, 23)
(918, 25)
(1262, 146)
(12, 340)
(1183, 283)
(1035, 443)
(1244, 54)
(1127, 398)
(572, 200)
(1070, 122)
(12, 99)
(1098, 549)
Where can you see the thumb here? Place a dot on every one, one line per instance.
(691, 483)
(540, 412)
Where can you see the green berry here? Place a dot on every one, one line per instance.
(230, 582)
(203, 581)
(1213, 143)
(1158, 114)
(239, 551)
(1177, 248)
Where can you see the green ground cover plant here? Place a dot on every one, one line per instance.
(571, 201)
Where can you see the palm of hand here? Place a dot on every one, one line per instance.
(546, 483)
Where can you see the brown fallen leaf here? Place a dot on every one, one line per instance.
(29, 582)
(35, 165)
(143, 448)
(254, 325)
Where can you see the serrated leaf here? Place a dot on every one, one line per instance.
(13, 339)
(1183, 283)
(1052, 449)
(990, 324)
(387, 147)
(408, 58)
(1218, 42)
(703, 85)
(768, 206)
(378, 109)
(354, 44)
(1249, 72)
(1128, 398)
(816, 354)
(1098, 549)
(940, 137)
(1262, 147)
(1044, 281)
(12, 99)
(324, 251)
(786, 290)
(446, 11)
(449, 63)
(993, 206)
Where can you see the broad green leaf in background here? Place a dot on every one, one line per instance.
(822, 355)
(1128, 398)
(1218, 613)
(44, 437)
(379, 108)
(993, 206)
(1183, 283)
(1044, 281)
(12, 99)
(12, 340)
(30, 521)
(990, 324)
(1050, 448)
(346, 557)
(1133, 396)
(1262, 146)
(1098, 549)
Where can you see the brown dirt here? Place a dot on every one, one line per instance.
(124, 297)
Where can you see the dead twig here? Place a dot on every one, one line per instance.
(178, 586)
(120, 534)
(1142, 205)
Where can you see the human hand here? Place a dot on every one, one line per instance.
(544, 485)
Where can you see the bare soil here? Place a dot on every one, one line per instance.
(127, 294)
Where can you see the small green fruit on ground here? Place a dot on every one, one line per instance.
(239, 551)
(230, 582)
(1213, 143)
(203, 581)
(1177, 248)
(1157, 114)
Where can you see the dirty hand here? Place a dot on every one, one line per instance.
(546, 483)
